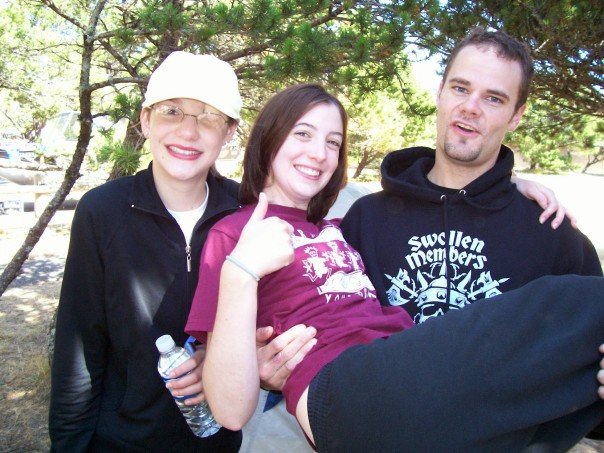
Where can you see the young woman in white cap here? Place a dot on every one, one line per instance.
(132, 268)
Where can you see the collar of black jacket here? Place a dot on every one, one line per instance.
(144, 196)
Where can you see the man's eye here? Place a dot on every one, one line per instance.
(494, 100)
(459, 89)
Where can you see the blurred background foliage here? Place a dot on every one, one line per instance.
(363, 51)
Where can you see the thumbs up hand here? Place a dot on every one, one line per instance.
(265, 244)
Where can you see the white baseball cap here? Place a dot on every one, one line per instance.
(204, 78)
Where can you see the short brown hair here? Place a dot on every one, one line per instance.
(269, 132)
(506, 47)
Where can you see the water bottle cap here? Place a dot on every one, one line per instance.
(164, 343)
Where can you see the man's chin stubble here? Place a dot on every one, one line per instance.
(464, 156)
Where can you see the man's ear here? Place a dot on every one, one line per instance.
(440, 88)
(516, 117)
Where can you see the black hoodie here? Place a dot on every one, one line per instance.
(431, 249)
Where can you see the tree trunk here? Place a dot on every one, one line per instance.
(73, 171)
(366, 159)
(591, 160)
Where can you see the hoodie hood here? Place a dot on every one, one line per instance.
(404, 174)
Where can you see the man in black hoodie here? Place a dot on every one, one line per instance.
(450, 228)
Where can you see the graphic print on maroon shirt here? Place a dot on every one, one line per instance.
(325, 287)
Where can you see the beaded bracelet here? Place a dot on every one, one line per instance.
(243, 267)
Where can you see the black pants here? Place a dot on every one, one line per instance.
(515, 372)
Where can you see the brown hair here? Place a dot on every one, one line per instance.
(270, 130)
(506, 47)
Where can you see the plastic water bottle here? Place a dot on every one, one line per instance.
(199, 418)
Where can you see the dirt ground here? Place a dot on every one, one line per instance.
(28, 305)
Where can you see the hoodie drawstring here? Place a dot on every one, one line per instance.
(445, 201)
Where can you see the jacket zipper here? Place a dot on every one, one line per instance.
(188, 252)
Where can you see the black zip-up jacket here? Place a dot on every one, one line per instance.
(126, 283)
(431, 249)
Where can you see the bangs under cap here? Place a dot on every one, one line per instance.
(204, 78)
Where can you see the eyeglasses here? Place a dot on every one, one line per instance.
(205, 120)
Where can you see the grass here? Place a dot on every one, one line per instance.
(25, 313)
(25, 384)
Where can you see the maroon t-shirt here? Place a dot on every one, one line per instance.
(325, 287)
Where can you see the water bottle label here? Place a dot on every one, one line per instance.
(189, 345)
(182, 398)
(179, 398)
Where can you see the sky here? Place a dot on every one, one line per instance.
(425, 70)
(425, 73)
